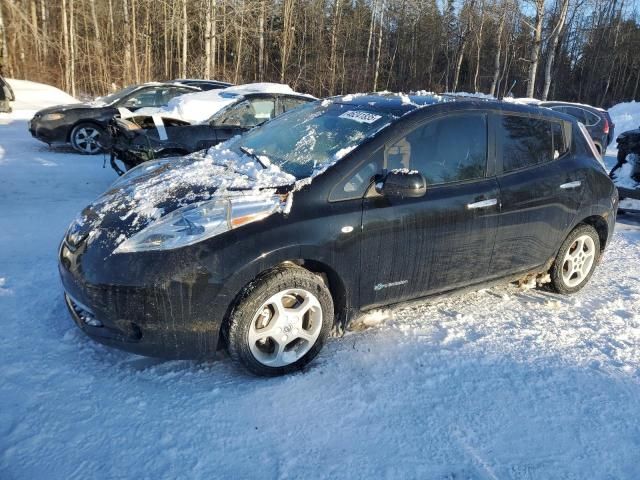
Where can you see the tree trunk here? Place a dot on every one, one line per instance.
(207, 39)
(239, 50)
(261, 41)
(479, 45)
(72, 49)
(496, 60)
(65, 42)
(287, 36)
(371, 28)
(126, 77)
(535, 50)
(377, 72)
(553, 43)
(134, 42)
(334, 42)
(185, 40)
(4, 50)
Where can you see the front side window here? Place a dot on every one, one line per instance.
(249, 113)
(524, 142)
(154, 97)
(450, 149)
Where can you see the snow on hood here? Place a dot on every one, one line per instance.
(200, 106)
(156, 188)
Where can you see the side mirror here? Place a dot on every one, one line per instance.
(403, 183)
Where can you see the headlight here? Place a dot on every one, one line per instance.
(202, 220)
(52, 116)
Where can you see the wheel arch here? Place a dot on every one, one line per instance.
(342, 304)
(601, 226)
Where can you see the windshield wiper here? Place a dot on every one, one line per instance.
(253, 154)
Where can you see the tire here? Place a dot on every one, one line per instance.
(576, 260)
(268, 344)
(84, 138)
(598, 148)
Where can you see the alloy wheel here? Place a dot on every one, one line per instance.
(578, 261)
(285, 327)
(85, 139)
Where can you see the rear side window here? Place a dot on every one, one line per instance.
(524, 142)
(449, 149)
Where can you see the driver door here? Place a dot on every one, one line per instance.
(416, 246)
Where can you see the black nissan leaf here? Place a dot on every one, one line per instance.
(265, 243)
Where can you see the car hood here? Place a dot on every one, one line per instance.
(157, 188)
(67, 108)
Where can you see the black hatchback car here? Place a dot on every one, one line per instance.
(81, 124)
(266, 242)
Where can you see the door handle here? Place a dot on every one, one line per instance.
(483, 204)
(566, 186)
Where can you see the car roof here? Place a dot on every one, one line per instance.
(400, 104)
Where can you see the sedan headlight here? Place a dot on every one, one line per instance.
(49, 117)
(202, 220)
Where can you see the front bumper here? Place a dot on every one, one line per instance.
(175, 319)
(48, 132)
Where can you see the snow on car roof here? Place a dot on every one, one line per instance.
(200, 106)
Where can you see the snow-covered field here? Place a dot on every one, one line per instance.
(497, 384)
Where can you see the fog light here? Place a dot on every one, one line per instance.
(90, 320)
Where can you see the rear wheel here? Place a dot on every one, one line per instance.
(280, 322)
(576, 260)
(84, 138)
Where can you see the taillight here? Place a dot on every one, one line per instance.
(606, 126)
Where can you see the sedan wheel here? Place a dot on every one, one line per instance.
(84, 139)
(576, 260)
(280, 322)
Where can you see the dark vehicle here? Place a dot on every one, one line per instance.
(628, 180)
(337, 207)
(141, 138)
(81, 124)
(6, 96)
(598, 122)
(204, 85)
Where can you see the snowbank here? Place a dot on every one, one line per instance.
(34, 96)
(200, 106)
(625, 116)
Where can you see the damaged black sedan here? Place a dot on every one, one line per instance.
(265, 243)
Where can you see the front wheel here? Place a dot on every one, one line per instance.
(576, 260)
(280, 322)
(84, 138)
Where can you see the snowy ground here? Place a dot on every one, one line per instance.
(494, 384)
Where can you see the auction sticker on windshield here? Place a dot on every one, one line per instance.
(359, 116)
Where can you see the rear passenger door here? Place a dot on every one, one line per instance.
(540, 189)
(415, 246)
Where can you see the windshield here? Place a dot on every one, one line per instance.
(114, 97)
(314, 136)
